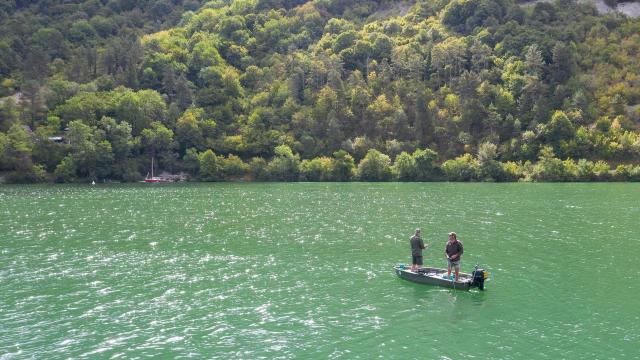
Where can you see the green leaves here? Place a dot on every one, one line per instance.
(330, 80)
(209, 166)
(462, 168)
(285, 165)
(375, 167)
(157, 140)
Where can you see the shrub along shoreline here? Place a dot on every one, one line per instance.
(420, 166)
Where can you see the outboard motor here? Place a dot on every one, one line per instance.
(479, 276)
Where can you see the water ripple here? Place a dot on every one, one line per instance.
(304, 271)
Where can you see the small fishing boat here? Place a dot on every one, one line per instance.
(435, 276)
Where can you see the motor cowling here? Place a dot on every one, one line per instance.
(479, 276)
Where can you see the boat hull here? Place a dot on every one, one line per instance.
(434, 276)
(156, 180)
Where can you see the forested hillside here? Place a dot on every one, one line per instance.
(318, 90)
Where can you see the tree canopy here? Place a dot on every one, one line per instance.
(320, 90)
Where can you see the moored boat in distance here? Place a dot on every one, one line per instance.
(156, 179)
(435, 276)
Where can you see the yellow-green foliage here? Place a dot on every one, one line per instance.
(546, 84)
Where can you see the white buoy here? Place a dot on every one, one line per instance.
(93, 182)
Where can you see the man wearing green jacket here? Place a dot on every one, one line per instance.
(416, 250)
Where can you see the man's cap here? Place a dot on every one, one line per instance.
(417, 230)
(452, 233)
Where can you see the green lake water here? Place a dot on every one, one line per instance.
(305, 271)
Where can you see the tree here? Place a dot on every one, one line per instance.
(188, 133)
(141, 109)
(375, 167)
(426, 167)
(16, 156)
(66, 170)
(563, 64)
(84, 106)
(462, 168)
(325, 111)
(119, 136)
(3, 146)
(285, 165)
(258, 169)
(204, 54)
(548, 168)
(534, 63)
(344, 40)
(233, 167)
(157, 140)
(380, 116)
(559, 129)
(317, 169)
(448, 58)
(209, 166)
(405, 167)
(458, 13)
(601, 170)
(490, 168)
(212, 83)
(59, 90)
(480, 56)
(9, 114)
(343, 166)
(487, 152)
(19, 146)
(8, 58)
(191, 161)
(83, 148)
(104, 159)
(34, 102)
(45, 151)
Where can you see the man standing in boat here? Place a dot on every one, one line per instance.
(416, 251)
(453, 250)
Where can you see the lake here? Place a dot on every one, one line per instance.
(305, 270)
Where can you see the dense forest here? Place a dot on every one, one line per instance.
(320, 90)
(613, 3)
